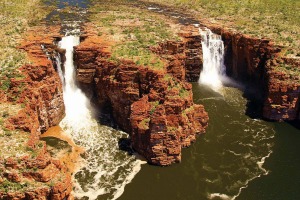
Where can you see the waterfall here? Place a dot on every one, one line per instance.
(77, 105)
(59, 70)
(105, 170)
(213, 59)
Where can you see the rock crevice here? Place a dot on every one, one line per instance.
(155, 106)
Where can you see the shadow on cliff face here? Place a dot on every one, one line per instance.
(255, 102)
(296, 124)
(125, 145)
(254, 106)
(254, 96)
(104, 115)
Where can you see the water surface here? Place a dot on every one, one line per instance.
(230, 160)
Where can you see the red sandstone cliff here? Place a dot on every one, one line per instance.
(40, 93)
(260, 62)
(250, 60)
(283, 94)
(155, 107)
(255, 61)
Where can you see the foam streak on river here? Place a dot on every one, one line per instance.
(222, 162)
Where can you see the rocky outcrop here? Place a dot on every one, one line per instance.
(185, 60)
(41, 172)
(259, 62)
(253, 61)
(155, 106)
(283, 94)
(33, 174)
(42, 88)
(247, 59)
(193, 52)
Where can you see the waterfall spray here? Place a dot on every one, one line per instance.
(105, 170)
(213, 59)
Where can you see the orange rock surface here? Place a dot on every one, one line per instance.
(41, 94)
(154, 106)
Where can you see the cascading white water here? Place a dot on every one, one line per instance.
(105, 170)
(213, 59)
(77, 105)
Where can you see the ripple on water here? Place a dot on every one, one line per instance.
(105, 170)
(245, 144)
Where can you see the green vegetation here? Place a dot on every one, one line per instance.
(153, 106)
(174, 84)
(16, 16)
(277, 20)
(12, 142)
(8, 186)
(133, 30)
(171, 128)
(188, 110)
(291, 73)
(145, 123)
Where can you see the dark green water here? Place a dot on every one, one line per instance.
(238, 157)
(227, 158)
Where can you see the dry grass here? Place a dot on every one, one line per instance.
(16, 16)
(276, 20)
(133, 31)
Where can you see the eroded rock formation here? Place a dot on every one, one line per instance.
(261, 63)
(257, 62)
(283, 94)
(154, 105)
(251, 60)
(34, 171)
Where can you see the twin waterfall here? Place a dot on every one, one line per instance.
(213, 59)
(104, 170)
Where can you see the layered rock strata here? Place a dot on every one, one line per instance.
(261, 63)
(283, 94)
(253, 61)
(35, 172)
(250, 60)
(155, 107)
(185, 59)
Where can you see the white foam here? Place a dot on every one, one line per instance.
(262, 162)
(128, 179)
(221, 196)
(234, 153)
(105, 169)
(153, 8)
(213, 59)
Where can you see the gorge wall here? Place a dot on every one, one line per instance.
(254, 61)
(257, 62)
(156, 108)
(260, 62)
(40, 93)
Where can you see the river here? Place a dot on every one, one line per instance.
(238, 157)
(231, 152)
